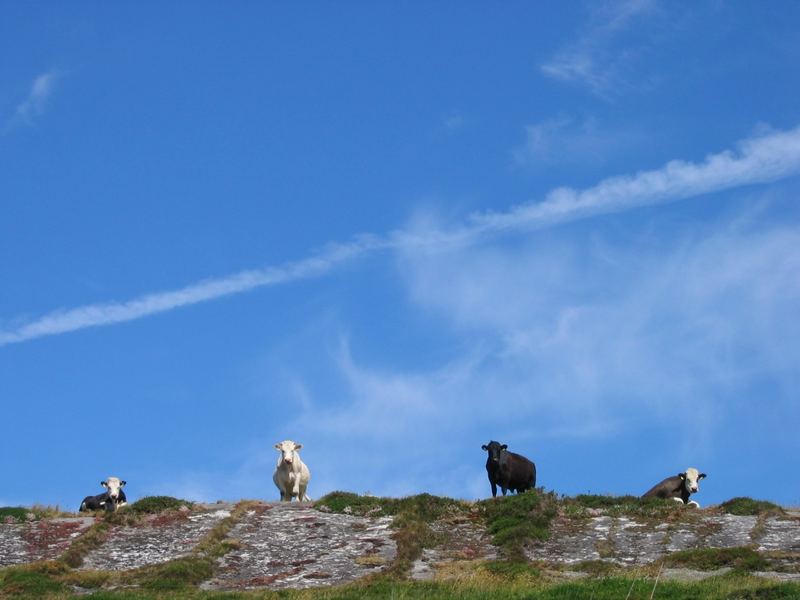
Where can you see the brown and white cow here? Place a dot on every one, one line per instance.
(291, 474)
(110, 500)
(678, 487)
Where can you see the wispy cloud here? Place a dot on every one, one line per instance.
(565, 139)
(591, 61)
(767, 157)
(34, 105)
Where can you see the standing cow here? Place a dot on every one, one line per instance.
(678, 487)
(291, 474)
(110, 500)
(508, 470)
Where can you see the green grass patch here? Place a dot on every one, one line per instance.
(512, 520)
(30, 581)
(511, 570)
(90, 539)
(743, 506)
(178, 574)
(37, 512)
(709, 559)
(648, 509)
(155, 504)
(17, 513)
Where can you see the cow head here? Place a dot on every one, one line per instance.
(287, 449)
(691, 479)
(495, 450)
(113, 485)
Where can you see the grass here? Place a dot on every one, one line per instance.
(517, 587)
(709, 559)
(17, 513)
(90, 539)
(743, 506)
(627, 506)
(513, 520)
(37, 512)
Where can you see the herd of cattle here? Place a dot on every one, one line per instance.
(507, 470)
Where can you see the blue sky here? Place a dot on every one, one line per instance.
(393, 232)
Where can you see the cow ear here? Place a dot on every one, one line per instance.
(682, 475)
(122, 483)
(504, 447)
(484, 447)
(298, 446)
(104, 484)
(701, 476)
(277, 446)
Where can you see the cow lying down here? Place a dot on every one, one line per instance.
(110, 500)
(679, 487)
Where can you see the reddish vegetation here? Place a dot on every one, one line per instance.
(48, 539)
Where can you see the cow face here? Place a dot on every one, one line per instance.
(113, 485)
(691, 479)
(495, 450)
(287, 450)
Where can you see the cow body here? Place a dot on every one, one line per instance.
(291, 475)
(110, 500)
(678, 487)
(508, 470)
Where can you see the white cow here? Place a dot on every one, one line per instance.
(291, 474)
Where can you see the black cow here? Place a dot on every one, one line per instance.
(508, 470)
(110, 500)
(678, 487)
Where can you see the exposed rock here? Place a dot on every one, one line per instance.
(626, 541)
(161, 538)
(691, 574)
(780, 534)
(291, 545)
(40, 540)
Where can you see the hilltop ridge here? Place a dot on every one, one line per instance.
(344, 545)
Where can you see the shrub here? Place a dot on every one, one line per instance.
(18, 513)
(743, 506)
(157, 504)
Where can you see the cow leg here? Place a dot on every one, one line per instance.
(504, 490)
(494, 489)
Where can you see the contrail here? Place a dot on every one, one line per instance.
(757, 160)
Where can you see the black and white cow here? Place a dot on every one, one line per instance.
(678, 487)
(110, 500)
(508, 470)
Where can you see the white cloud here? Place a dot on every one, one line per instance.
(34, 105)
(578, 341)
(765, 158)
(591, 61)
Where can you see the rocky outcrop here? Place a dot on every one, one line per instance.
(276, 546)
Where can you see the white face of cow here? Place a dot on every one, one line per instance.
(287, 450)
(113, 485)
(691, 479)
